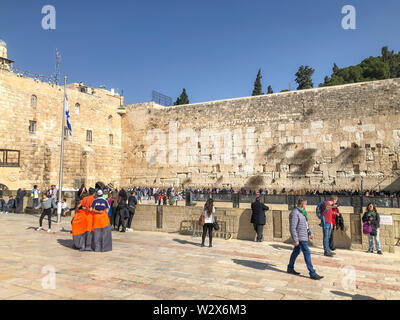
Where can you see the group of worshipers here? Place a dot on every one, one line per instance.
(301, 232)
(91, 228)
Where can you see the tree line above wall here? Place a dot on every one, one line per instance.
(386, 66)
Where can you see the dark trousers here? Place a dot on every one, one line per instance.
(44, 213)
(258, 228)
(122, 217)
(113, 216)
(331, 241)
(207, 227)
(131, 214)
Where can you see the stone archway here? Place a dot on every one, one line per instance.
(3, 187)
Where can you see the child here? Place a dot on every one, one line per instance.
(64, 209)
(46, 206)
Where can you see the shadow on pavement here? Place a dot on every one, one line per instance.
(353, 296)
(187, 242)
(69, 243)
(261, 266)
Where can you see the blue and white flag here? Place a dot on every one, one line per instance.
(67, 115)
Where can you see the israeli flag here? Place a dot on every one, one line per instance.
(67, 114)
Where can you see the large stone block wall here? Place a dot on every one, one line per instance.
(325, 138)
(40, 152)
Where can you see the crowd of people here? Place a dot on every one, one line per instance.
(100, 210)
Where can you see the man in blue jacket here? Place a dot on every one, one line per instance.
(258, 218)
(300, 232)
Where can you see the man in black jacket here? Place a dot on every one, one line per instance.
(258, 218)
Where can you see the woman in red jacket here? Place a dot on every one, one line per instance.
(335, 213)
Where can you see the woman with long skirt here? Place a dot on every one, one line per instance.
(102, 240)
(82, 224)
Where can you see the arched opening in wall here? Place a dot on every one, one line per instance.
(33, 101)
(3, 187)
(110, 120)
(77, 107)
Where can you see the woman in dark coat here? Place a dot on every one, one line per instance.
(258, 218)
(373, 217)
(20, 200)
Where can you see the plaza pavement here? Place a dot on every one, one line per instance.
(151, 265)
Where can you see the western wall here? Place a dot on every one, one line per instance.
(343, 137)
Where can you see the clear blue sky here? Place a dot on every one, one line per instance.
(213, 48)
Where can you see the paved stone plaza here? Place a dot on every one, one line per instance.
(150, 265)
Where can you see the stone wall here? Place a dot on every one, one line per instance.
(40, 151)
(325, 138)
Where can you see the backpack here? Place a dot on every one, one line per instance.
(319, 210)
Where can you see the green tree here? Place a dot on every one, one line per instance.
(182, 99)
(303, 78)
(257, 85)
(270, 91)
(386, 66)
(285, 90)
(335, 68)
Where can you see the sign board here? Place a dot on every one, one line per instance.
(386, 220)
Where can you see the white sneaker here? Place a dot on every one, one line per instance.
(49, 230)
(7, 213)
(40, 228)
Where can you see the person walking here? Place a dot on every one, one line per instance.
(372, 216)
(209, 219)
(258, 218)
(132, 202)
(45, 205)
(301, 232)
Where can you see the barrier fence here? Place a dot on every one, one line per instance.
(291, 200)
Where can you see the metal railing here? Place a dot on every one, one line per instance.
(291, 200)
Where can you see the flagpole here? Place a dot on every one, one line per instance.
(61, 157)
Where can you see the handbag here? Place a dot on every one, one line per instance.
(367, 229)
(216, 225)
(202, 220)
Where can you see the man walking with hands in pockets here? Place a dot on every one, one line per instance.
(300, 232)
